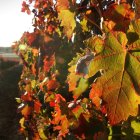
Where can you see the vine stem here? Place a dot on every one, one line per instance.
(94, 23)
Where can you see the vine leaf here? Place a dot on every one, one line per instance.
(25, 8)
(120, 85)
(77, 111)
(84, 25)
(59, 117)
(22, 121)
(136, 126)
(62, 5)
(67, 21)
(116, 14)
(136, 26)
(52, 84)
(26, 111)
(37, 106)
(137, 9)
(42, 134)
(48, 63)
(77, 84)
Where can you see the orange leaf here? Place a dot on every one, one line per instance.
(77, 111)
(52, 84)
(95, 94)
(26, 111)
(64, 126)
(62, 5)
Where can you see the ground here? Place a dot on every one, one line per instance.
(9, 118)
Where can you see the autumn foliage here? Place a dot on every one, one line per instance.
(81, 74)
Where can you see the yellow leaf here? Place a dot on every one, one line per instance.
(41, 134)
(84, 25)
(18, 100)
(22, 122)
(22, 47)
(68, 22)
(136, 126)
(33, 84)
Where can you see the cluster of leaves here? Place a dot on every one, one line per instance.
(80, 69)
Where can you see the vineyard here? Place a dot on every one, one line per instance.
(81, 70)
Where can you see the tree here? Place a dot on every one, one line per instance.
(81, 69)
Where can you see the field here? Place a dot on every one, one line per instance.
(10, 71)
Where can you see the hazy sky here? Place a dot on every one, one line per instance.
(12, 22)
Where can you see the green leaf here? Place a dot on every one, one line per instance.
(82, 86)
(120, 85)
(77, 84)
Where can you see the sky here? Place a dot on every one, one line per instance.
(13, 22)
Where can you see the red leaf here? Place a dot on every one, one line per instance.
(26, 96)
(118, 17)
(52, 104)
(48, 63)
(37, 106)
(25, 8)
(59, 98)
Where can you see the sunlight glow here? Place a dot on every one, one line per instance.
(12, 22)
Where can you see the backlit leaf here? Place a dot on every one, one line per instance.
(37, 106)
(136, 126)
(77, 111)
(72, 78)
(26, 111)
(41, 134)
(62, 5)
(116, 14)
(22, 120)
(52, 84)
(64, 126)
(84, 25)
(68, 22)
(77, 84)
(136, 26)
(82, 86)
(120, 85)
(137, 8)
(48, 63)
(22, 47)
